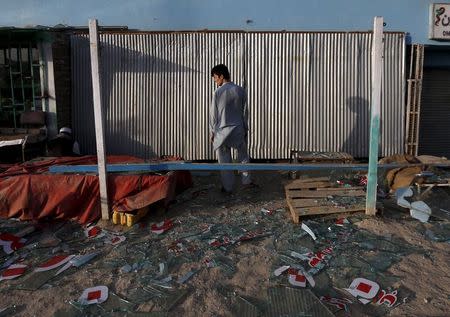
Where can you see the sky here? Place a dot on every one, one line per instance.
(295, 15)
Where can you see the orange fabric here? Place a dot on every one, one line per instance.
(56, 196)
(42, 166)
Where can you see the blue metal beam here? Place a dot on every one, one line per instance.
(184, 166)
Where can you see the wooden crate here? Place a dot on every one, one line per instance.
(308, 197)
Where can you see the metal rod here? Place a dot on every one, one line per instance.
(186, 166)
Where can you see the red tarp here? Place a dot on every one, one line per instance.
(26, 192)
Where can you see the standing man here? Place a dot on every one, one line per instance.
(228, 124)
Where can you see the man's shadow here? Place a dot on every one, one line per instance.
(357, 142)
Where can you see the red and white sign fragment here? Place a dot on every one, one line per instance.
(363, 180)
(11, 242)
(319, 256)
(94, 295)
(209, 263)
(13, 271)
(341, 222)
(280, 270)
(93, 232)
(363, 289)
(309, 231)
(220, 242)
(162, 227)
(386, 298)
(340, 303)
(267, 211)
(54, 262)
(251, 235)
(114, 240)
(296, 278)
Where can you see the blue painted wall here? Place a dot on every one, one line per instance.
(305, 15)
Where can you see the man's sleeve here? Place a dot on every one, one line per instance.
(213, 114)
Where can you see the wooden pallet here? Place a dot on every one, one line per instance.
(308, 197)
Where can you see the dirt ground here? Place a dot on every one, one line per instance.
(425, 273)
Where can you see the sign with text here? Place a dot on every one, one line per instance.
(440, 21)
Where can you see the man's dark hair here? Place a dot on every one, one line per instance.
(220, 69)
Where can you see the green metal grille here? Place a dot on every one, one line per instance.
(20, 87)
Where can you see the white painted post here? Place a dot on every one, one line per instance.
(98, 114)
(377, 67)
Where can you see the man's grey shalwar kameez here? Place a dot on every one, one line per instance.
(228, 121)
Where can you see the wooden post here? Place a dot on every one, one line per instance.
(377, 66)
(98, 114)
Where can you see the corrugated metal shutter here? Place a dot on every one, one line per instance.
(434, 134)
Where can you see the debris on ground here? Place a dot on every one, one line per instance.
(242, 257)
(322, 195)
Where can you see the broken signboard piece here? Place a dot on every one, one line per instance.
(319, 256)
(53, 263)
(78, 261)
(363, 289)
(11, 242)
(341, 222)
(162, 227)
(114, 239)
(309, 231)
(13, 271)
(94, 295)
(298, 277)
(389, 299)
(93, 232)
(420, 211)
(340, 303)
(280, 270)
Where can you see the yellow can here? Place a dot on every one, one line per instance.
(116, 218)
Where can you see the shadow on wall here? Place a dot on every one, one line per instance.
(122, 131)
(119, 142)
(357, 142)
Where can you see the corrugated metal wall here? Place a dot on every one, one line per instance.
(307, 91)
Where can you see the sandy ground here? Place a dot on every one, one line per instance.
(426, 274)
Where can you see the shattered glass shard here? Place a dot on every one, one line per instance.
(286, 301)
(243, 307)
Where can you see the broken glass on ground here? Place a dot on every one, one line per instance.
(436, 231)
(244, 307)
(286, 301)
(35, 280)
(11, 310)
(152, 262)
(172, 298)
